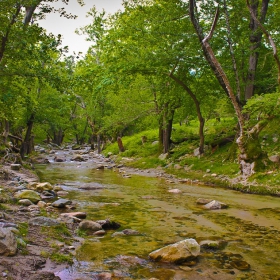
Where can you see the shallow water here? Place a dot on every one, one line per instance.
(250, 226)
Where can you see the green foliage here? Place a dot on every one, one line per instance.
(134, 147)
(59, 232)
(23, 228)
(61, 258)
(264, 106)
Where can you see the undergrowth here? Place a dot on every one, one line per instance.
(219, 162)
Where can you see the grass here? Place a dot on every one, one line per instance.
(57, 257)
(59, 232)
(221, 161)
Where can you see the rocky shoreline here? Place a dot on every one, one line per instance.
(28, 249)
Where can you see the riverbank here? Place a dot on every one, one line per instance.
(40, 253)
(28, 258)
(174, 172)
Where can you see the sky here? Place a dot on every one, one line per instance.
(66, 27)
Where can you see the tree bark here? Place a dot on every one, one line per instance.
(120, 144)
(27, 146)
(198, 111)
(255, 39)
(269, 39)
(58, 137)
(98, 144)
(167, 131)
(250, 153)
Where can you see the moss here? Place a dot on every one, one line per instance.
(61, 258)
(59, 232)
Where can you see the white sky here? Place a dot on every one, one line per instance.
(66, 27)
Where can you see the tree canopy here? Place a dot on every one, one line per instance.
(153, 64)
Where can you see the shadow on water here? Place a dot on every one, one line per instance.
(250, 227)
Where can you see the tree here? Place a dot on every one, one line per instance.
(154, 37)
(250, 153)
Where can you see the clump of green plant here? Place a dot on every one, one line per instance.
(81, 233)
(61, 258)
(3, 207)
(59, 232)
(57, 257)
(23, 228)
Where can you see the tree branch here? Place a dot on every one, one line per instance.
(269, 39)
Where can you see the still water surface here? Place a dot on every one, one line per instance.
(250, 226)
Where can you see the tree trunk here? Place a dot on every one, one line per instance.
(6, 131)
(58, 137)
(198, 111)
(167, 130)
(98, 144)
(27, 146)
(250, 153)
(120, 144)
(255, 39)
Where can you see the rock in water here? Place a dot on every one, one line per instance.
(214, 205)
(61, 203)
(89, 226)
(178, 253)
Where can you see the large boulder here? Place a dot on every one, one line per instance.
(8, 242)
(28, 194)
(90, 226)
(178, 253)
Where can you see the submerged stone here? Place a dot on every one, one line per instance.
(240, 265)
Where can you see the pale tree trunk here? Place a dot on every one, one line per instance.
(255, 39)
(250, 152)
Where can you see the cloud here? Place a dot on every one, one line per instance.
(66, 27)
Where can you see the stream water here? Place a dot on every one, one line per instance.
(250, 227)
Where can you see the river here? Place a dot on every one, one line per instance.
(249, 228)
